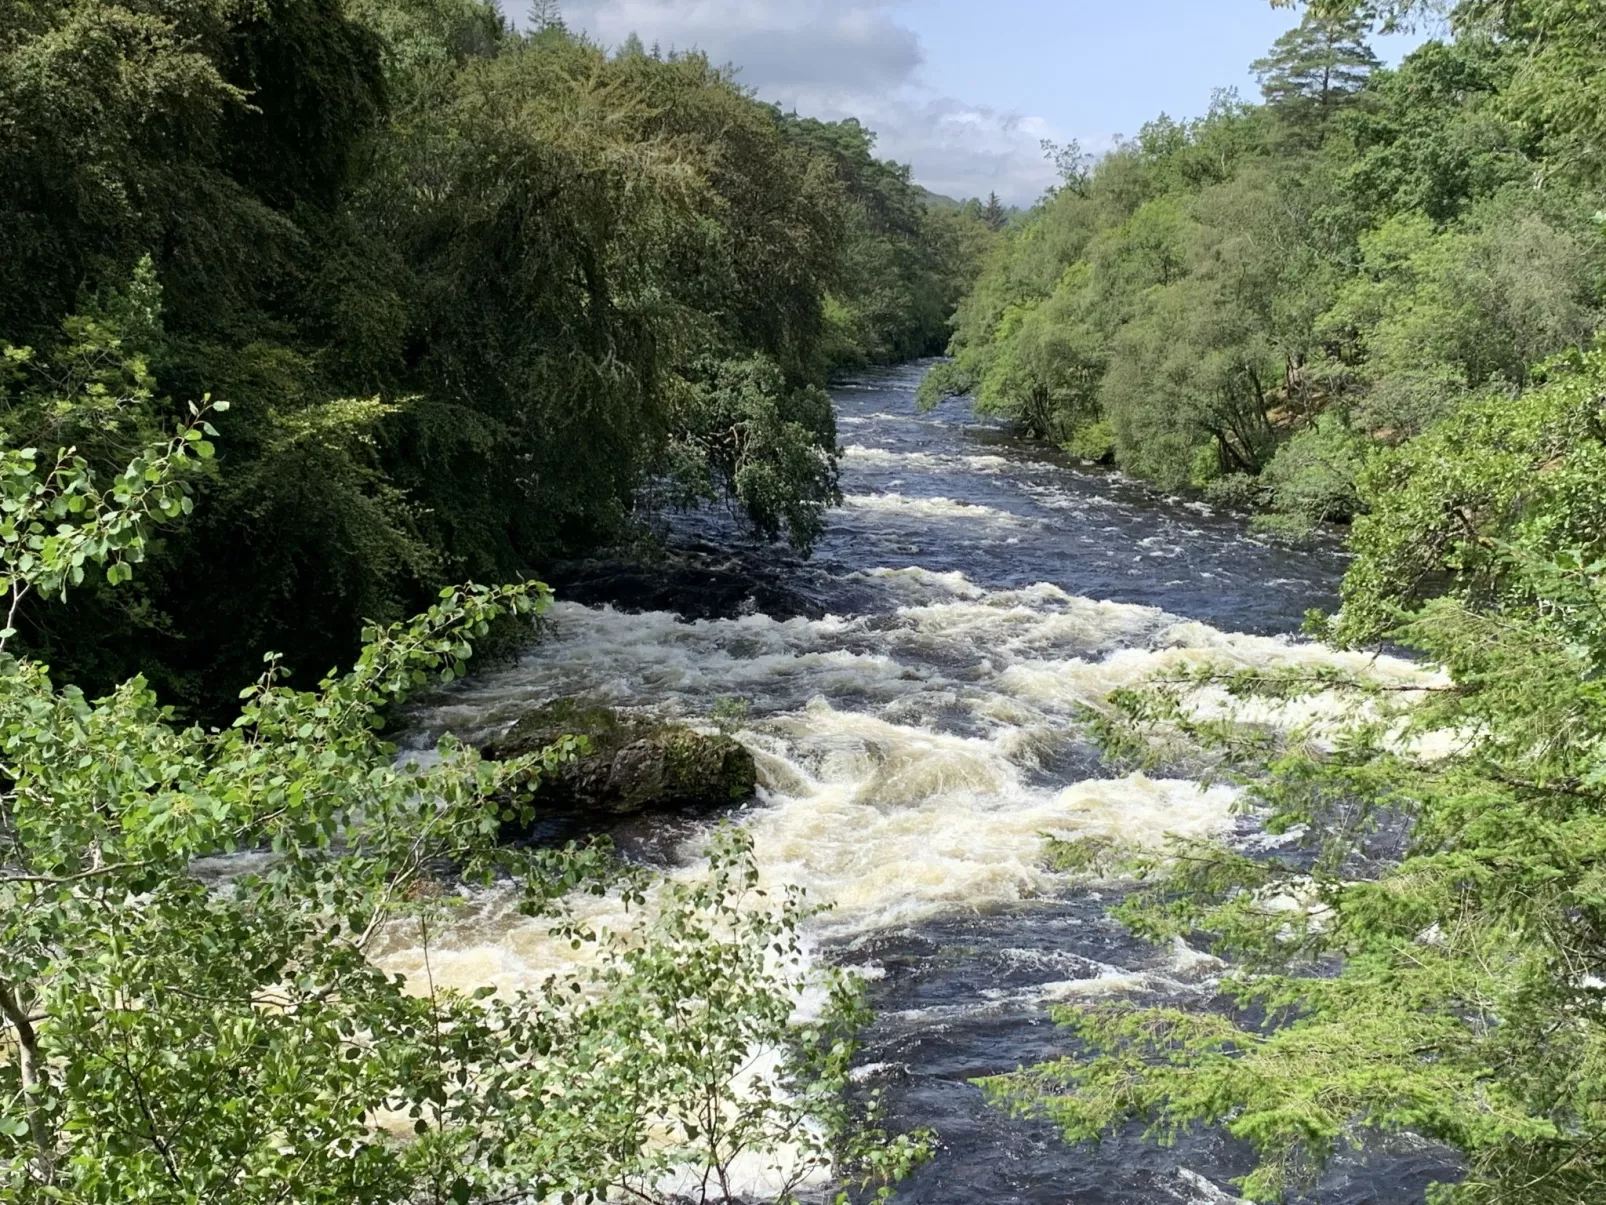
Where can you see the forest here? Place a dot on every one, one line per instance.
(329, 325)
(465, 290)
(1252, 301)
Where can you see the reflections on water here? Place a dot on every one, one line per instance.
(916, 743)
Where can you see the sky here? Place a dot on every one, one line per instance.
(966, 91)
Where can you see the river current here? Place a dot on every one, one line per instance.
(917, 738)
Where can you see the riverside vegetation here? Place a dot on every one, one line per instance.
(461, 294)
(466, 289)
(1378, 293)
(1255, 301)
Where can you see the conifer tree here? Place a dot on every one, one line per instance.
(994, 214)
(546, 14)
(1316, 66)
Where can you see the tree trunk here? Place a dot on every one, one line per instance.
(1224, 443)
(35, 1079)
(1260, 396)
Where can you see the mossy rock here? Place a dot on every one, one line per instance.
(635, 764)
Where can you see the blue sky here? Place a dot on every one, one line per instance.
(965, 90)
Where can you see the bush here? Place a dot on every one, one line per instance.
(1313, 476)
(1094, 442)
(1236, 491)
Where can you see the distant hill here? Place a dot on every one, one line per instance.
(935, 200)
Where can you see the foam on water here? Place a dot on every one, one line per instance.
(926, 462)
(913, 750)
(897, 505)
(897, 752)
(898, 758)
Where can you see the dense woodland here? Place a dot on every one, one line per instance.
(466, 290)
(1255, 300)
(312, 308)
(1374, 296)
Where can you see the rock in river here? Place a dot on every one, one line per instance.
(635, 763)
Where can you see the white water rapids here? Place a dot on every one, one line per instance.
(914, 744)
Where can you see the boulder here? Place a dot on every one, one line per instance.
(694, 580)
(635, 764)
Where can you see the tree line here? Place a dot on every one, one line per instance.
(1396, 281)
(1254, 301)
(467, 289)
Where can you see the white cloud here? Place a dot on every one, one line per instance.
(844, 58)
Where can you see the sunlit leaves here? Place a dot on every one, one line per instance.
(1425, 953)
(189, 1007)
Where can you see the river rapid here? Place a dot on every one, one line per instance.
(915, 737)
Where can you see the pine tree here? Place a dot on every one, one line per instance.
(1314, 68)
(632, 47)
(994, 214)
(546, 14)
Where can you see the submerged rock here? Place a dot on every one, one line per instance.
(693, 580)
(635, 764)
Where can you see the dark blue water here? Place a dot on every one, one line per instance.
(1093, 532)
(1100, 535)
(918, 713)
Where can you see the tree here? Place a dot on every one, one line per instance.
(545, 15)
(1070, 162)
(462, 285)
(1387, 261)
(1433, 138)
(1316, 67)
(905, 260)
(1556, 50)
(176, 1026)
(1437, 315)
(1191, 372)
(994, 214)
(745, 434)
(1045, 369)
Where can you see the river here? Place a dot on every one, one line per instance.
(915, 737)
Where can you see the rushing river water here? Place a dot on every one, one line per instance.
(916, 741)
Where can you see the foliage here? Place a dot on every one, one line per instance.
(1440, 314)
(188, 1006)
(1447, 506)
(1236, 491)
(1426, 956)
(1095, 442)
(1314, 476)
(772, 449)
(1381, 245)
(1555, 88)
(905, 261)
(1430, 138)
(1316, 67)
(465, 287)
(684, 1070)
